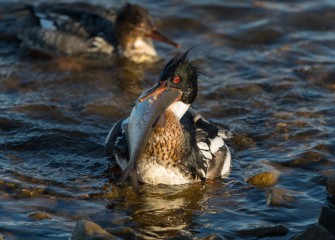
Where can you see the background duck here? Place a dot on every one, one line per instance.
(80, 28)
(163, 141)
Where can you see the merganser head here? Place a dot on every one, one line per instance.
(175, 91)
(178, 74)
(134, 30)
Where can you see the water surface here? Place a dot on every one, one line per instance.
(271, 81)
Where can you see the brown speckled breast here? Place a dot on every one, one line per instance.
(167, 146)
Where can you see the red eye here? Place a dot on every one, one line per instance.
(176, 79)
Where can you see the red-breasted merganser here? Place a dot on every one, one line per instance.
(77, 28)
(163, 141)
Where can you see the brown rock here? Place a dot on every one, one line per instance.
(281, 197)
(87, 230)
(40, 215)
(215, 237)
(314, 232)
(242, 142)
(122, 232)
(307, 160)
(264, 179)
(328, 172)
(122, 220)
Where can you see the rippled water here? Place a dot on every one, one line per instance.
(271, 81)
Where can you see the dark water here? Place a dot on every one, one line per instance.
(271, 81)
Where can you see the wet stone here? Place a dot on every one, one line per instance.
(265, 231)
(314, 232)
(241, 142)
(327, 219)
(280, 197)
(122, 220)
(264, 179)
(40, 215)
(122, 232)
(328, 172)
(307, 160)
(214, 237)
(87, 230)
(32, 192)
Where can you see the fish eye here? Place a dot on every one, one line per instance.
(176, 79)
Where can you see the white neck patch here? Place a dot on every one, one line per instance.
(145, 46)
(178, 108)
(141, 50)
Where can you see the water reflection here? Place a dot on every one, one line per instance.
(163, 211)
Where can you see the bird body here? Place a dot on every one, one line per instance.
(77, 28)
(166, 142)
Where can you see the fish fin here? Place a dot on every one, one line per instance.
(125, 175)
(114, 133)
(130, 172)
(134, 182)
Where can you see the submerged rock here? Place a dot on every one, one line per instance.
(265, 231)
(87, 230)
(122, 220)
(215, 237)
(314, 232)
(281, 197)
(327, 219)
(264, 179)
(122, 232)
(40, 215)
(241, 142)
(307, 160)
(328, 172)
